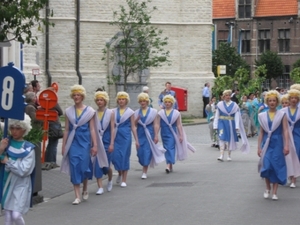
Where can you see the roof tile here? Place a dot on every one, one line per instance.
(224, 9)
(266, 8)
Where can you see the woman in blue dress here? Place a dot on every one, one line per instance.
(80, 142)
(273, 145)
(172, 134)
(293, 116)
(125, 124)
(147, 126)
(106, 124)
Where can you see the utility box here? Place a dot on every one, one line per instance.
(181, 97)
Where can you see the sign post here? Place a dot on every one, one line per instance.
(48, 100)
(221, 69)
(12, 84)
(35, 72)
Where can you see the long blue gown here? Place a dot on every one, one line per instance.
(168, 139)
(296, 132)
(99, 172)
(79, 153)
(144, 152)
(122, 145)
(274, 165)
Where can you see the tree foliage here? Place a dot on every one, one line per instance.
(295, 75)
(241, 80)
(296, 64)
(18, 17)
(273, 64)
(227, 55)
(139, 44)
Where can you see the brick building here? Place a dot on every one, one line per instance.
(261, 25)
(81, 31)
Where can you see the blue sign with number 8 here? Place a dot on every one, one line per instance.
(12, 84)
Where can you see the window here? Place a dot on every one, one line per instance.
(264, 40)
(246, 41)
(222, 36)
(284, 80)
(284, 40)
(244, 8)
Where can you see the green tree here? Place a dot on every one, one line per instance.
(18, 17)
(139, 44)
(273, 64)
(227, 55)
(295, 75)
(296, 64)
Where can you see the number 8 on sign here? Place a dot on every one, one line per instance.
(7, 93)
(12, 83)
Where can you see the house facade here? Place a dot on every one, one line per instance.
(256, 26)
(71, 52)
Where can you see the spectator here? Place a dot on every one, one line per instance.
(234, 97)
(146, 90)
(167, 91)
(30, 109)
(205, 97)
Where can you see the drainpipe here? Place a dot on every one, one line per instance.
(47, 46)
(78, 42)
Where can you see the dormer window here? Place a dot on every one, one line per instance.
(244, 9)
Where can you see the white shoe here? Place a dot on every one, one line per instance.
(266, 194)
(228, 158)
(293, 185)
(109, 186)
(220, 158)
(144, 176)
(76, 201)
(85, 195)
(123, 184)
(118, 180)
(100, 191)
(274, 197)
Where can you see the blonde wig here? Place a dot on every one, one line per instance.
(227, 92)
(295, 86)
(78, 89)
(101, 94)
(143, 97)
(270, 94)
(294, 93)
(169, 98)
(284, 98)
(123, 94)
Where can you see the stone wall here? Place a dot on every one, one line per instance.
(187, 23)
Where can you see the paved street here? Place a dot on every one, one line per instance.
(201, 190)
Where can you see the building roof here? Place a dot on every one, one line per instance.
(224, 9)
(266, 8)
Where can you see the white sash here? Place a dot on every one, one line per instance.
(86, 117)
(158, 152)
(292, 160)
(263, 121)
(105, 120)
(183, 147)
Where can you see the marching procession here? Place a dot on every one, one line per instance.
(97, 141)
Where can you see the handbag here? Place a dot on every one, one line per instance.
(55, 131)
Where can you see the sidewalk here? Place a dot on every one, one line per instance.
(55, 183)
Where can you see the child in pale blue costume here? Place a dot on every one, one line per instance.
(17, 172)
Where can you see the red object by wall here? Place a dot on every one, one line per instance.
(181, 97)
